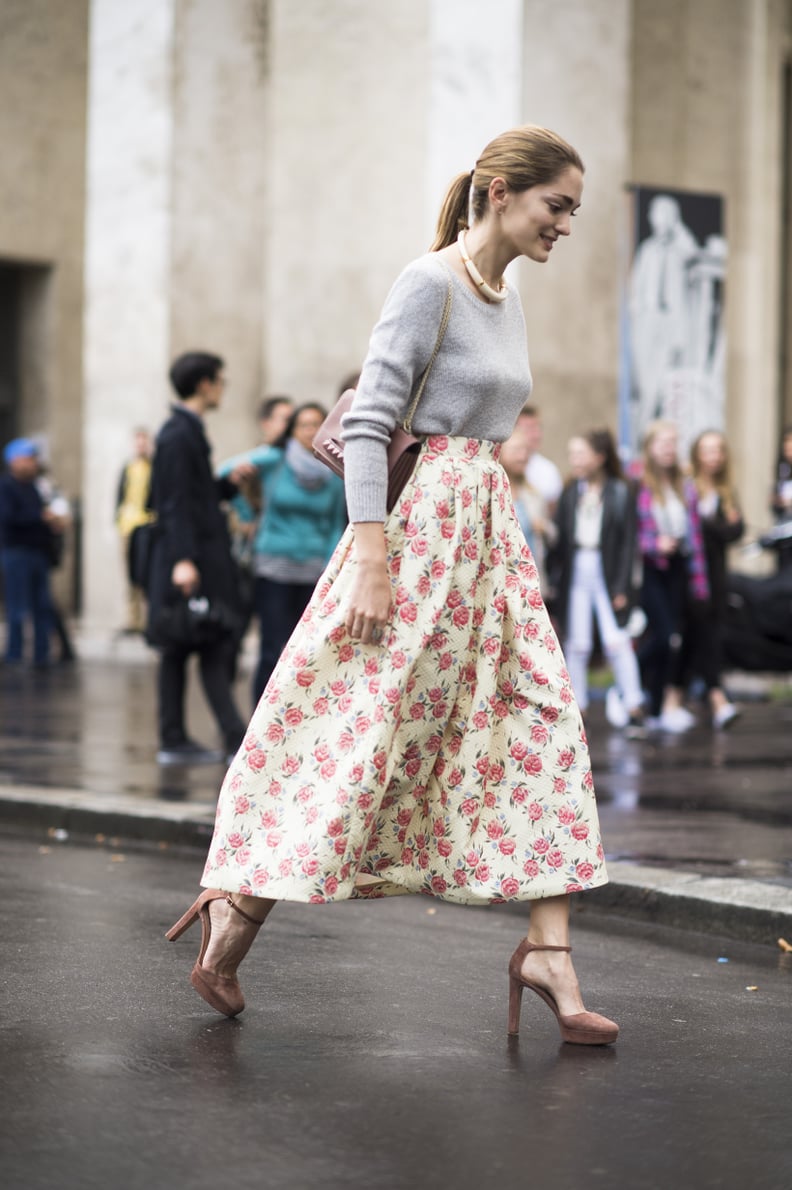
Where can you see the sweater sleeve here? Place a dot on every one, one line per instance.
(400, 348)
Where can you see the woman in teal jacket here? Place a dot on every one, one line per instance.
(303, 517)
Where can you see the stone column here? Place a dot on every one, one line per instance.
(576, 74)
(127, 268)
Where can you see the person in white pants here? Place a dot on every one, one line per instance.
(595, 555)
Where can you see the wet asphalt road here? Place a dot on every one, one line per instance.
(373, 1050)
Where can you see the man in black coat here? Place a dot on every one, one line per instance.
(192, 587)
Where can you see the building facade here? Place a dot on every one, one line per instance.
(250, 176)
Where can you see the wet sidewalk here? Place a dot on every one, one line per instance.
(697, 828)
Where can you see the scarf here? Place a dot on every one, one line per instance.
(309, 471)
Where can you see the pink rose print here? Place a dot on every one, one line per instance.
(260, 878)
(510, 887)
(566, 815)
(256, 759)
(236, 840)
(241, 805)
(444, 848)
(531, 868)
(331, 886)
(585, 872)
(550, 714)
(507, 846)
(243, 856)
(555, 859)
(539, 734)
(460, 877)
(220, 857)
(541, 846)
(275, 733)
(439, 885)
(320, 707)
(293, 717)
(305, 677)
(580, 831)
(533, 764)
(535, 811)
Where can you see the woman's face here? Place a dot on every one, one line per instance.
(663, 449)
(532, 220)
(584, 462)
(307, 426)
(711, 454)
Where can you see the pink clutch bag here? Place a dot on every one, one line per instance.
(403, 449)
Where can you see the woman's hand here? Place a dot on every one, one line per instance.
(185, 576)
(370, 600)
(619, 602)
(666, 544)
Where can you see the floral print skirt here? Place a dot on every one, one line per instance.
(449, 759)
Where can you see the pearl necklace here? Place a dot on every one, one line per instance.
(492, 295)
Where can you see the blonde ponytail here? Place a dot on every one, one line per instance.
(453, 213)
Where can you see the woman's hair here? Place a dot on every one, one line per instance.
(655, 478)
(602, 443)
(288, 431)
(524, 157)
(721, 480)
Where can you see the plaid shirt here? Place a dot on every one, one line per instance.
(648, 533)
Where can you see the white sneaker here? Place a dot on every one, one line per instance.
(615, 710)
(725, 716)
(677, 720)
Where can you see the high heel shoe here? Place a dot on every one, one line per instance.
(579, 1028)
(222, 992)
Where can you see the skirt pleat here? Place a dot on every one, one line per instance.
(449, 759)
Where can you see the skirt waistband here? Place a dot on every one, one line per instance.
(481, 449)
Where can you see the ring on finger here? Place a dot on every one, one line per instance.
(376, 635)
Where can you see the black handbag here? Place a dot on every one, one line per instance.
(194, 623)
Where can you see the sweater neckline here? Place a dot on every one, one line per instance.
(491, 308)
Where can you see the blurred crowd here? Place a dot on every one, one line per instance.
(632, 563)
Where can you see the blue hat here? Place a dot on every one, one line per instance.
(20, 448)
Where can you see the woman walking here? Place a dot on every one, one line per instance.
(675, 585)
(420, 734)
(303, 517)
(596, 555)
(722, 524)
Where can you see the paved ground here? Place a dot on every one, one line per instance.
(697, 828)
(373, 1051)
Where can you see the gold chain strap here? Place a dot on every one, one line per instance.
(407, 423)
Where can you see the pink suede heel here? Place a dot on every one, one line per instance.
(580, 1028)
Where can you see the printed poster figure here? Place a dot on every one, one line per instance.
(675, 338)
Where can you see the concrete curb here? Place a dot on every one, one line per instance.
(747, 910)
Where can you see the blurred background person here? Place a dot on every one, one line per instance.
(541, 473)
(131, 511)
(529, 504)
(781, 498)
(192, 572)
(303, 516)
(61, 521)
(722, 525)
(26, 530)
(675, 579)
(596, 521)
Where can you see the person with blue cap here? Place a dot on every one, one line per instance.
(25, 536)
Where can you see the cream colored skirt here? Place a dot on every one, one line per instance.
(450, 759)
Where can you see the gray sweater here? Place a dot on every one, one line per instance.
(476, 388)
